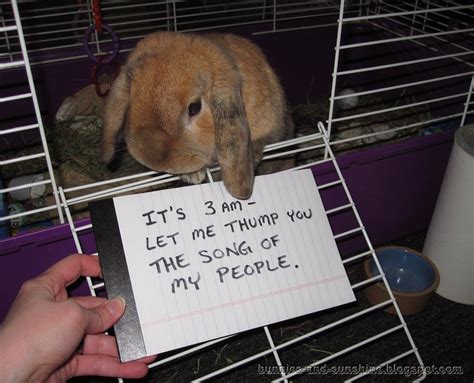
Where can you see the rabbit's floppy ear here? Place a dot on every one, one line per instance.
(233, 145)
(116, 108)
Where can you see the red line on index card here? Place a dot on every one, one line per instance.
(242, 301)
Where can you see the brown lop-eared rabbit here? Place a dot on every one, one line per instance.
(184, 102)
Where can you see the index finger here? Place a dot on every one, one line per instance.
(68, 270)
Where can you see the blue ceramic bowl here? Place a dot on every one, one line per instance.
(412, 277)
(406, 271)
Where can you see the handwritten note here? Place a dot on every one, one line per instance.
(203, 265)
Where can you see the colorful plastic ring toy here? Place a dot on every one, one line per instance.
(115, 41)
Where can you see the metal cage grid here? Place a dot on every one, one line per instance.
(336, 184)
(37, 126)
(422, 23)
(442, 31)
(54, 32)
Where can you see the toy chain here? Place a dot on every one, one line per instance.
(97, 15)
(100, 60)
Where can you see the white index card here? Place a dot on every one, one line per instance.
(203, 265)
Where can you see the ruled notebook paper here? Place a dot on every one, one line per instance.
(203, 265)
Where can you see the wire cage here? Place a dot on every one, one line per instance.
(425, 70)
(400, 69)
(57, 30)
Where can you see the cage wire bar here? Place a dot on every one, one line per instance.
(325, 9)
(438, 26)
(23, 62)
(468, 102)
(52, 31)
(318, 141)
(425, 24)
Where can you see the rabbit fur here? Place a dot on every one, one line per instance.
(186, 101)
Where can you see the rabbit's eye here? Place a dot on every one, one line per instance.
(194, 108)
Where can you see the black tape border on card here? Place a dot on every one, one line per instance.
(128, 332)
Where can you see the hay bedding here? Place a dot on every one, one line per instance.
(75, 139)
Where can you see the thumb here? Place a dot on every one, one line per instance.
(104, 316)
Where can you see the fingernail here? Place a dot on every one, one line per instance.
(116, 306)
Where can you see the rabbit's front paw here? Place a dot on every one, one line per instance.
(194, 178)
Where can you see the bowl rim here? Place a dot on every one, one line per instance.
(381, 284)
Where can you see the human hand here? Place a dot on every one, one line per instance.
(41, 336)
